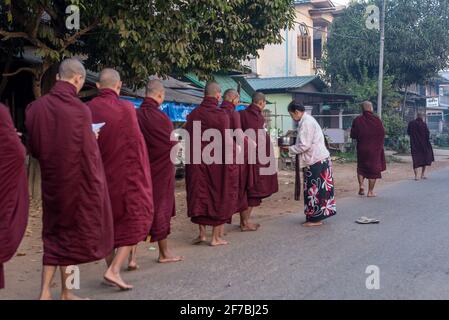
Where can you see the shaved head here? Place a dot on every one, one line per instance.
(69, 68)
(230, 95)
(212, 89)
(155, 90)
(258, 98)
(367, 106)
(109, 78)
(154, 87)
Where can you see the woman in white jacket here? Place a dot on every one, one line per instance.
(319, 198)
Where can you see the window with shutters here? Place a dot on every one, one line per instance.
(304, 43)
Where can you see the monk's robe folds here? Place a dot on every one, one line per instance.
(369, 132)
(127, 168)
(264, 185)
(245, 170)
(422, 151)
(156, 128)
(212, 189)
(77, 216)
(14, 200)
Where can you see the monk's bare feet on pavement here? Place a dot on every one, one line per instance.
(115, 279)
(424, 177)
(361, 192)
(371, 195)
(218, 242)
(199, 240)
(250, 227)
(169, 259)
(70, 296)
(312, 224)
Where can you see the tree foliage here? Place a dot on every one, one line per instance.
(145, 37)
(416, 42)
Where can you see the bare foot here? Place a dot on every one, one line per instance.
(115, 279)
(312, 224)
(133, 266)
(199, 240)
(71, 296)
(170, 259)
(250, 227)
(424, 177)
(416, 179)
(361, 192)
(218, 242)
(371, 195)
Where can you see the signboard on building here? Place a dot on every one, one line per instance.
(433, 102)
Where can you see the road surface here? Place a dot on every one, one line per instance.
(286, 261)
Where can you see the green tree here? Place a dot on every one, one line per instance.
(144, 37)
(416, 44)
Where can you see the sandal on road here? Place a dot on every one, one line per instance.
(365, 220)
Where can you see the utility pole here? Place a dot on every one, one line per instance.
(381, 58)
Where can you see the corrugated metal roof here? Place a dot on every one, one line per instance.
(280, 83)
(225, 82)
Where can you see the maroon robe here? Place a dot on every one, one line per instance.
(14, 199)
(244, 169)
(264, 185)
(127, 168)
(422, 151)
(157, 128)
(212, 189)
(369, 132)
(77, 216)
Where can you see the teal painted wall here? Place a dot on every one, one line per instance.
(279, 103)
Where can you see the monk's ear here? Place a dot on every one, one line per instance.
(98, 85)
(58, 77)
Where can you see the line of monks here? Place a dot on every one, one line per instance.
(105, 191)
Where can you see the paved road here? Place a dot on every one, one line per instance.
(286, 261)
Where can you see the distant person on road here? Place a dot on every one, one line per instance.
(319, 198)
(369, 133)
(422, 152)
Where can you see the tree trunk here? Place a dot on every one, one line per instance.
(404, 105)
(37, 80)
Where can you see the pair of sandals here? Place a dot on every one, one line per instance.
(365, 220)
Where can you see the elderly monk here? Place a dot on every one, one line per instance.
(77, 215)
(231, 100)
(157, 129)
(369, 133)
(127, 170)
(13, 190)
(422, 151)
(265, 184)
(212, 188)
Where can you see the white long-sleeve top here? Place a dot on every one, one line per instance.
(310, 144)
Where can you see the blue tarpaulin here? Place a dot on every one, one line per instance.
(177, 112)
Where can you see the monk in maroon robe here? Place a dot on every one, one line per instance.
(14, 199)
(422, 151)
(77, 215)
(127, 170)
(231, 100)
(212, 186)
(369, 133)
(265, 184)
(157, 129)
